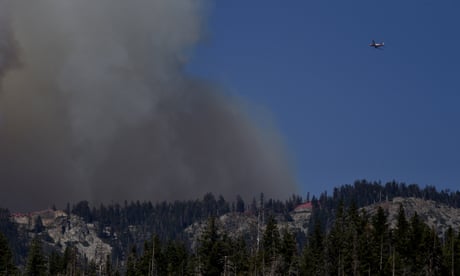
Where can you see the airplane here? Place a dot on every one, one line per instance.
(376, 45)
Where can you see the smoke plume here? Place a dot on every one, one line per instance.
(95, 104)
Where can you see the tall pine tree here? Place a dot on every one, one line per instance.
(7, 266)
(36, 264)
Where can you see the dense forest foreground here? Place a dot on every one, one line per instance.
(351, 232)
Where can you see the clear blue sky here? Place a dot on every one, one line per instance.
(345, 110)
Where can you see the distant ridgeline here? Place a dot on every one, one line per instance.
(363, 228)
(364, 193)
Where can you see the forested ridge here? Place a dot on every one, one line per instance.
(342, 239)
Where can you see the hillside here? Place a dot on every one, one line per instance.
(265, 236)
(436, 215)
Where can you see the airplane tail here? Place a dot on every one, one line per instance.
(383, 43)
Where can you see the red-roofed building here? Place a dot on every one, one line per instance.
(304, 207)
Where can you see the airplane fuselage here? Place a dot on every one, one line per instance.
(376, 45)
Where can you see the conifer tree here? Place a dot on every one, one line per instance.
(7, 266)
(380, 239)
(400, 253)
(36, 265)
(431, 253)
(176, 258)
(131, 263)
(313, 252)
(38, 227)
(451, 253)
(288, 249)
(240, 256)
(211, 259)
(271, 245)
(55, 263)
(108, 266)
(415, 258)
(336, 244)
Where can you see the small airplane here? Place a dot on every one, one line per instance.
(376, 45)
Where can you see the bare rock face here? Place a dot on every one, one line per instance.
(63, 230)
(435, 215)
(249, 226)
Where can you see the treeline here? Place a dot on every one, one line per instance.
(364, 192)
(43, 261)
(167, 220)
(17, 241)
(357, 244)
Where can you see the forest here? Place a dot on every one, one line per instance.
(342, 240)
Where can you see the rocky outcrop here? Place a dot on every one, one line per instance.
(62, 230)
(435, 215)
(249, 226)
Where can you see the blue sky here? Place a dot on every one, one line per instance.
(346, 111)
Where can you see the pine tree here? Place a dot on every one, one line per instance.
(55, 263)
(271, 245)
(36, 265)
(7, 266)
(239, 204)
(240, 256)
(380, 239)
(431, 252)
(401, 249)
(70, 260)
(335, 264)
(176, 258)
(415, 256)
(288, 250)
(131, 263)
(313, 253)
(38, 228)
(451, 253)
(108, 266)
(211, 258)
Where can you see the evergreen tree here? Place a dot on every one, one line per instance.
(431, 253)
(82, 209)
(210, 255)
(415, 258)
(451, 253)
(91, 270)
(151, 261)
(288, 250)
(36, 265)
(70, 260)
(55, 263)
(313, 252)
(379, 240)
(365, 245)
(176, 258)
(271, 245)
(7, 266)
(401, 250)
(350, 251)
(240, 208)
(38, 228)
(335, 264)
(240, 256)
(131, 263)
(108, 266)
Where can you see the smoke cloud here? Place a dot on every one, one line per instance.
(95, 105)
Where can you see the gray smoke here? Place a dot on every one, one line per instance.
(95, 104)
